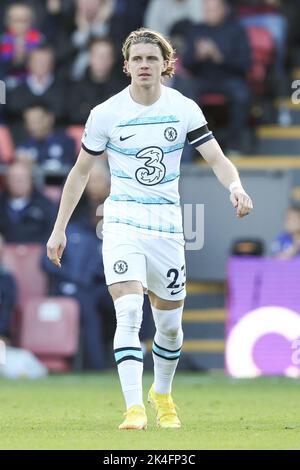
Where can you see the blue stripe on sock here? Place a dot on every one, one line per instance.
(122, 354)
(129, 358)
(165, 353)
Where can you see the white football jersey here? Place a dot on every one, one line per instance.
(144, 146)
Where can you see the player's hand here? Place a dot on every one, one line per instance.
(55, 247)
(241, 202)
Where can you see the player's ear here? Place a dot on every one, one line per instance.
(126, 67)
(165, 66)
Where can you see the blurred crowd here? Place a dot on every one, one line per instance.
(60, 58)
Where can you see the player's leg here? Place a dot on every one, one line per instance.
(166, 351)
(167, 342)
(123, 266)
(166, 282)
(128, 299)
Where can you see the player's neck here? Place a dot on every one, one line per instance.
(143, 95)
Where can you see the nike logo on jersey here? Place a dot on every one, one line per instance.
(177, 292)
(125, 138)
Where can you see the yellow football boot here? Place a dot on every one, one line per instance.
(166, 415)
(136, 418)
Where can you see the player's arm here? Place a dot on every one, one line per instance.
(73, 189)
(227, 174)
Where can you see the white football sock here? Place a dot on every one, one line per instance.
(166, 347)
(127, 347)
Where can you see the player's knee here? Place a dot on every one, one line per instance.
(173, 332)
(135, 311)
(170, 330)
(169, 323)
(129, 310)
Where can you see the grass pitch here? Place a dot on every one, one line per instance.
(83, 412)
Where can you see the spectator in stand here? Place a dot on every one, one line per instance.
(19, 38)
(218, 55)
(266, 14)
(291, 10)
(44, 145)
(102, 18)
(82, 272)
(41, 84)
(99, 83)
(92, 19)
(42, 11)
(173, 12)
(8, 297)
(287, 244)
(53, 16)
(26, 216)
(56, 19)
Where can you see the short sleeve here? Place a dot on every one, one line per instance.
(94, 139)
(197, 131)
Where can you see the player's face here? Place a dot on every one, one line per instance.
(145, 64)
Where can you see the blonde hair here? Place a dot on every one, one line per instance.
(148, 36)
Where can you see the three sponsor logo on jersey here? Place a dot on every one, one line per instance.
(153, 171)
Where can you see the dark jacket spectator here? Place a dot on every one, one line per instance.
(41, 84)
(232, 56)
(8, 297)
(99, 83)
(218, 55)
(44, 145)
(26, 216)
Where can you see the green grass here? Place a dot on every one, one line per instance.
(83, 412)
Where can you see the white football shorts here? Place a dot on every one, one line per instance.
(158, 263)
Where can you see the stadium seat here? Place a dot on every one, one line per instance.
(50, 330)
(213, 99)
(263, 50)
(24, 262)
(76, 132)
(7, 149)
